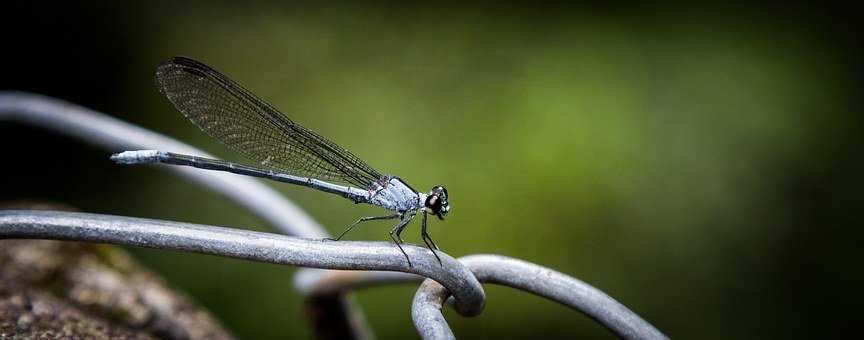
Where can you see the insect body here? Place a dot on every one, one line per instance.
(283, 150)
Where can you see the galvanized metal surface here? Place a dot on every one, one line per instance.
(245, 244)
(535, 279)
(495, 269)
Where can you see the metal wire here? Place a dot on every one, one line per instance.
(455, 278)
(495, 269)
(245, 244)
(535, 279)
(323, 282)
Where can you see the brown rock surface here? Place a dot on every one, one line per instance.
(70, 290)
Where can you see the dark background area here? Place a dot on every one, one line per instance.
(699, 162)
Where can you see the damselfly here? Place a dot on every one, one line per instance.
(283, 150)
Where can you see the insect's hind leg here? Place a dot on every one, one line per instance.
(394, 234)
(361, 220)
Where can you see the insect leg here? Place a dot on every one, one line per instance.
(402, 227)
(394, 234)
(363, 219)
(428, 239)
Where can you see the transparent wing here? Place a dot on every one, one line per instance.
(249, 125)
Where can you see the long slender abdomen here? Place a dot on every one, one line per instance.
(155, 156)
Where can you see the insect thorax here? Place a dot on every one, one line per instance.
(392, 193)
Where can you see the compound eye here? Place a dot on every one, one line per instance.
(440, 191)
(433, 203)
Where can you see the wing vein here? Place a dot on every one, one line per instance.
(249, 125)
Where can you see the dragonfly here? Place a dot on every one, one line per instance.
(282, 150)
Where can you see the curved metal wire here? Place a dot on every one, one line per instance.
(246, 244)
(496, 269)
(535, 279)
(426, 312)
(324, 282)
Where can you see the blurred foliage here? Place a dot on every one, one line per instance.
(679, 159)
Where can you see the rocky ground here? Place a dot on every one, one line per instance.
(70, 290)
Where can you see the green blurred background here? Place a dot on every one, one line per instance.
(700, 163)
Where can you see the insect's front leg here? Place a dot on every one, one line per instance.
(428, 239)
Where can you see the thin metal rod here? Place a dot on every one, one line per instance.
(494, 269)
(426, 312)
(244, 244)
(155, 156)
(324, 282)
(535, 279)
